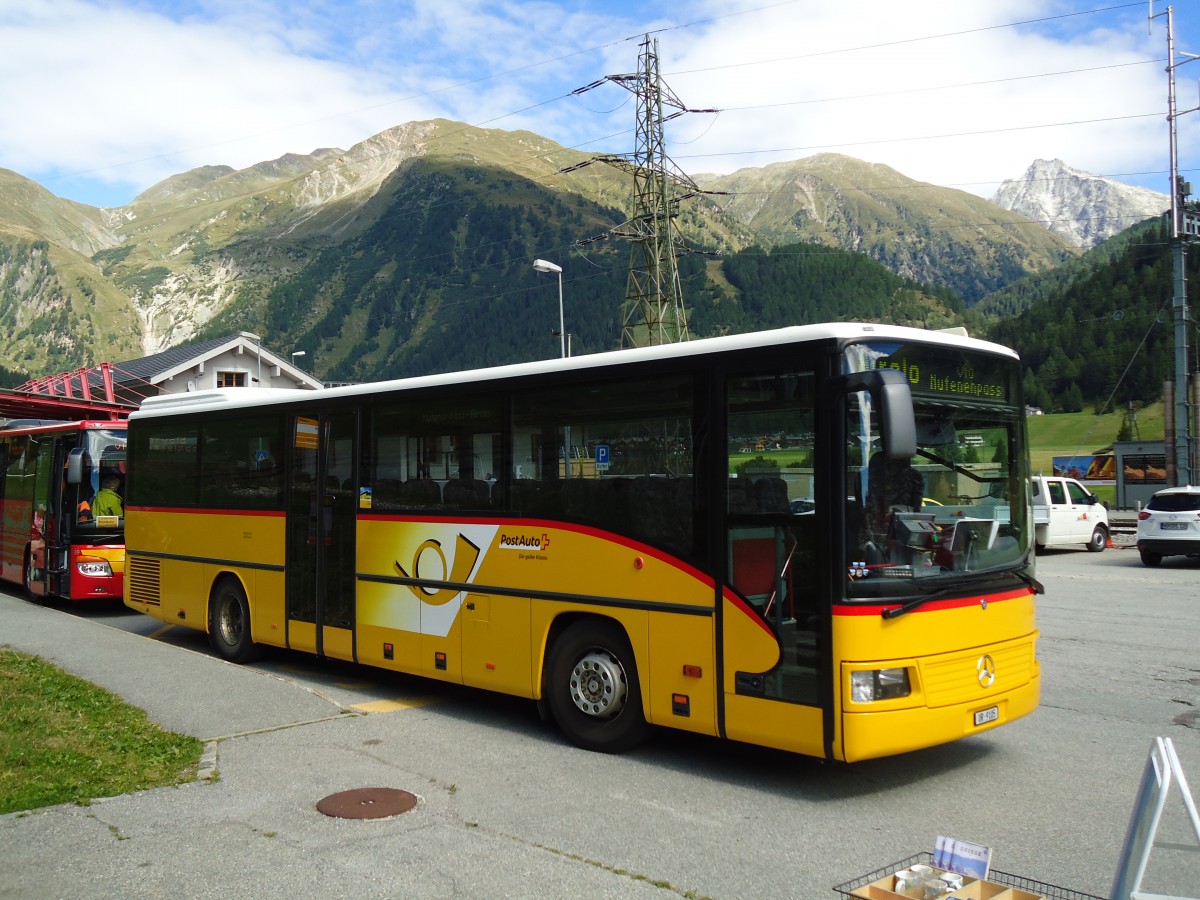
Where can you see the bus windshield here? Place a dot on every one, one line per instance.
(958, 507)
(98, 497)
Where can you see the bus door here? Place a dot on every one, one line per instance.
(322, 500)
(776, 689)
(40, 558)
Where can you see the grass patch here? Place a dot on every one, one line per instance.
(63, 740)
(1078, 434)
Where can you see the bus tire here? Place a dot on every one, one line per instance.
(1099, 540)
(593, 689)
(229, 622)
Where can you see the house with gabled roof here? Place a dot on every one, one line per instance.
(235, 361)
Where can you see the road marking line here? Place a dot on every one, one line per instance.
(385, 706)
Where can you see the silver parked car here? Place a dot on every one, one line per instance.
(1170, 525)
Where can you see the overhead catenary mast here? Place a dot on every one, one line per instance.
(653, 311)
(1185, 226)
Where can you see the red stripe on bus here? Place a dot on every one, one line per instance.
(194, 511)
(877, 609)
(748, 611)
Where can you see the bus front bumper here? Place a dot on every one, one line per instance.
(876, 734)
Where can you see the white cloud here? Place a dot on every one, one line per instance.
(957, 109)
(129, 95)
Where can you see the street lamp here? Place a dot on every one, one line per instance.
(258, 349)
(541, 265)
(296, 353)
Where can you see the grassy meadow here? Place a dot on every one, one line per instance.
(1077, 434)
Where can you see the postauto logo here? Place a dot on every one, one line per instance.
(524, 541)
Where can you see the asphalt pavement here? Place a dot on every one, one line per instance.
(250, 827)
(506, 808)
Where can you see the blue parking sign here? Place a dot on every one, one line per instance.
(602, 458)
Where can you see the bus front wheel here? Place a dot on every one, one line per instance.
(229, 622)
(593, 690)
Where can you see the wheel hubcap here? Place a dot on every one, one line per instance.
(230, 623)
(598, 685)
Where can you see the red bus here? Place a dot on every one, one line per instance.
(62, 523)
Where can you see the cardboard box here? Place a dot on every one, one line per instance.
(989, 890)
(882, 889)
(879, 890)
(979, 890)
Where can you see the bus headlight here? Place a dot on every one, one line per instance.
(94, 568)
(869, 685)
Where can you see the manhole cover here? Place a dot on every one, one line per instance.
(367, 803)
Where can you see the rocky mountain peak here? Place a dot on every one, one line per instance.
(1082, 208)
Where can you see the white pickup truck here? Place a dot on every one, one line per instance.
(1065, 512)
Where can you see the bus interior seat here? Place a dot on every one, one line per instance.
(467, 493)
(771, 495)
(420, 493)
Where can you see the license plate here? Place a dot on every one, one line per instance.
(991, 714)
(1173, 526)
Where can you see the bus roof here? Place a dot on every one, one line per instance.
(235, 398)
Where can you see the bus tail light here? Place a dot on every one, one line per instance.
(869, 685)
(94, 568)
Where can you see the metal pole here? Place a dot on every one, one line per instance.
(1183, 455)
(542, 265)
(562, 331)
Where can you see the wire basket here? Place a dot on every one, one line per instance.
(1041, 888)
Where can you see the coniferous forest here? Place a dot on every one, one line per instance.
(1107, 337)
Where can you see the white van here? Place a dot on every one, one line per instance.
(1065, 512)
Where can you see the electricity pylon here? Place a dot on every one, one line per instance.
(653, 312)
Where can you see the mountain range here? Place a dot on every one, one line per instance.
(1082, 208)
(411, 252)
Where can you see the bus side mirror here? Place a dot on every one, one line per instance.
(75, 461)
(893, 401)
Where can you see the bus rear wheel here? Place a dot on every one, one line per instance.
(229, 622)
(593, 690)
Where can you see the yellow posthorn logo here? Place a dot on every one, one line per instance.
(423, 568)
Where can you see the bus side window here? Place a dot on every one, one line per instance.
(433, 455)
(618, 456)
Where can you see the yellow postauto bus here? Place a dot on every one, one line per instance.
(778, 538)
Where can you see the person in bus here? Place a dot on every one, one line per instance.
(107, 501)
(892, 484)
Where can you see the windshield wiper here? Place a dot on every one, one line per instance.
(951, 464)
(1038, 587)
(896, 611)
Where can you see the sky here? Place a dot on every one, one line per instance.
(104, 98)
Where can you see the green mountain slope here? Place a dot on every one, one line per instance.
(1105, 336)
(442, 281)
(930, 234)
(411, 251)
